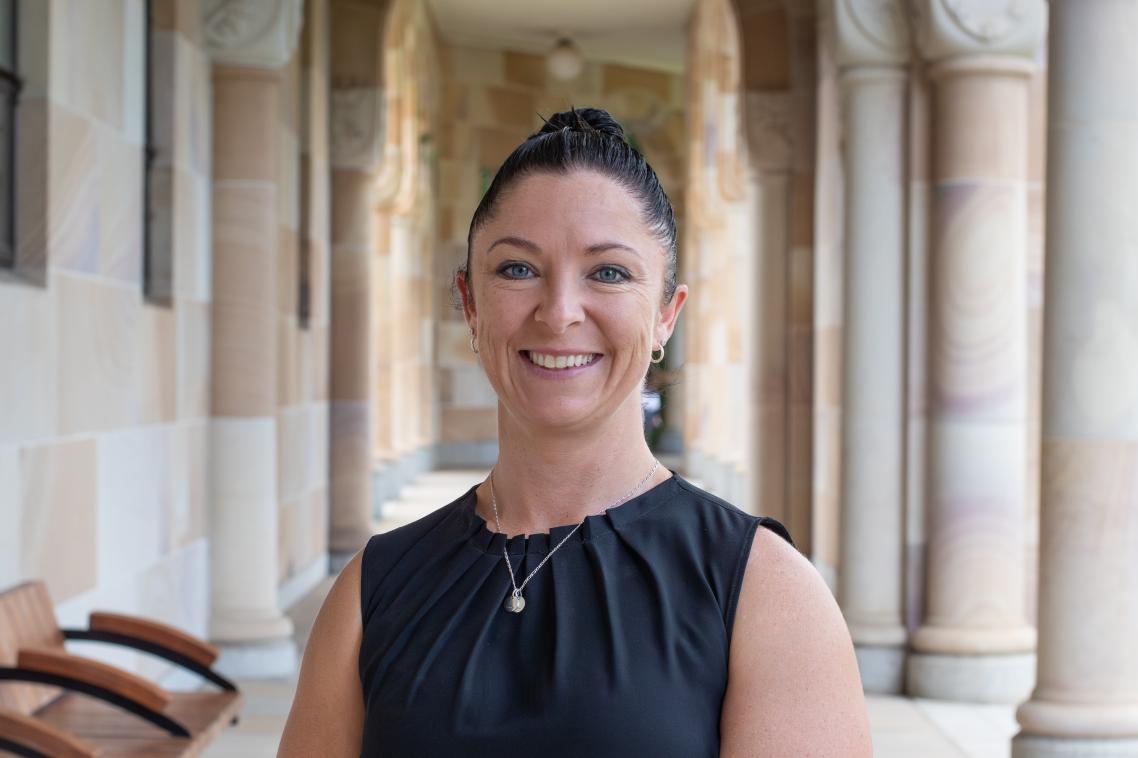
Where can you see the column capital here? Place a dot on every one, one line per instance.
(870, 32)
(952, 28)
(255, 33)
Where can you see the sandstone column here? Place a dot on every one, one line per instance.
(975, 643)
(249, 43)
(873, 55)
(357, 35)
(1085, 701)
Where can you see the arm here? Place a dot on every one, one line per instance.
(327, 715)
(793, 686)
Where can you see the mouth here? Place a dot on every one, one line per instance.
(560, 362)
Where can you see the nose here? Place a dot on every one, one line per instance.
(561, 304)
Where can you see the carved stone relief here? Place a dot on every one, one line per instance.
(261, 33)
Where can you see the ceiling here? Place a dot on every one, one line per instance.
(647, 33)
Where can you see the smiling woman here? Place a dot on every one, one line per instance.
(614, 609)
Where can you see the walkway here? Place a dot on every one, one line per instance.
(902, 728)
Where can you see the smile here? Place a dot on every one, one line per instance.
(559, 361)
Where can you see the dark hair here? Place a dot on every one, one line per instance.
(589, 139)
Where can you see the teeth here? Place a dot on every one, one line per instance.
(560, 361)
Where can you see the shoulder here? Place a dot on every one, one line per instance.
(793, 682)
(716, 509)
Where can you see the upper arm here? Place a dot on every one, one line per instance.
(327, 713)
(793, 686)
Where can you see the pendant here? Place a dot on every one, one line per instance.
(515, 603)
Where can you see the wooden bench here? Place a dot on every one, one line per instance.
(53, 703)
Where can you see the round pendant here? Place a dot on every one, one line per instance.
(515, 603)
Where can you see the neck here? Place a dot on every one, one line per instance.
(542, 480)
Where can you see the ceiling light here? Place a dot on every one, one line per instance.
(565, 61)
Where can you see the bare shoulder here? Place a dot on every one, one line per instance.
(793, 684)
(327, 713)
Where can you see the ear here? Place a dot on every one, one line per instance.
(467, 296)
(670, 314)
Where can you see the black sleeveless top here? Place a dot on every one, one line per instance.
(621, 649)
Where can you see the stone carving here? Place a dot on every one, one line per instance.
(949, 28)
(261, 33)
(356, 128)
(871, 32)
(987, 20)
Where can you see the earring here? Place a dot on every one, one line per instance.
(473, 343)
(661, 358)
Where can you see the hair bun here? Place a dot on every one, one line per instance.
(584, 120)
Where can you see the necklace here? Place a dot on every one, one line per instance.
(515, 603)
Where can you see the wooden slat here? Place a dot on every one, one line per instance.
(27, 620)
(120, 734)
(45, 738)
(157, 633)
(60, 663)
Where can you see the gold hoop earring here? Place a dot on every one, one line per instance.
(661, 358)
(473, 343)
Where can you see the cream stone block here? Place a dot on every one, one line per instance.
(288, 366)
(89, 56)
(99, 362)
(999, 152)
(28, 383)
(525, 69)
(1092, 361)
(292, 434)
(352, 210)
(979, 306)
(356, 35)
(244, 530)
(245, 112)
(244, 315)
(976, 523)
(453, 344)
(288, 177)
(199, 118)
(188, 520)
(469, 424)
(192, 358)
(11, 516)
(158, 357)
(471, 389)
(59, 502)
(191, 235)
(316, 445)
(74, 237)
(176, 589)
(135, 499)
(470, 65)
(133, 72)
(286, 541)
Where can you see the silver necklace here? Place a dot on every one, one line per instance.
(515, 603)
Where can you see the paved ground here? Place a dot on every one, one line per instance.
(902, 727)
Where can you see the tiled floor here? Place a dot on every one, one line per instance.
(902, 728)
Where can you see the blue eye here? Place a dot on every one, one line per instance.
(611, 275)
(515, 270)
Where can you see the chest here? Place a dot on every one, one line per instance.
(611, 656)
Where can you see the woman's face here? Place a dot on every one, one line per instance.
(566, 299)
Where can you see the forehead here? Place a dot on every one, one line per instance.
(570, 208)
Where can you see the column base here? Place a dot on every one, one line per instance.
(1034, 746)
(1006, 679)
(267, 659)
(882, 669)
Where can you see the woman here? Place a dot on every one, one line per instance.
(583, 600)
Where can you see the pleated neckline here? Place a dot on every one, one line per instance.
(482, 537)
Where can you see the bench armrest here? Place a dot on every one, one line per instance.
(27, 733)
(121, 683)
(155, 633)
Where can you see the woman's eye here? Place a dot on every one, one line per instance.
(515, 270)
(611, 275)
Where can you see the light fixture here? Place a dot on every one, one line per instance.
(565, 61)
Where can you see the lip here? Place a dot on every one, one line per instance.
(560, 373)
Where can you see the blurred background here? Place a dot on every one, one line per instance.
(229, 351)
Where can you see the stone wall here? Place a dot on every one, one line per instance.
(104, 395)
(491, 101)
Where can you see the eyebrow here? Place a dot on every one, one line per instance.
(533, 247)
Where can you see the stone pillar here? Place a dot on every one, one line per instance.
(976, 642)
(873, 55)
(249, 43)
(357, 34)
(1085, 701)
